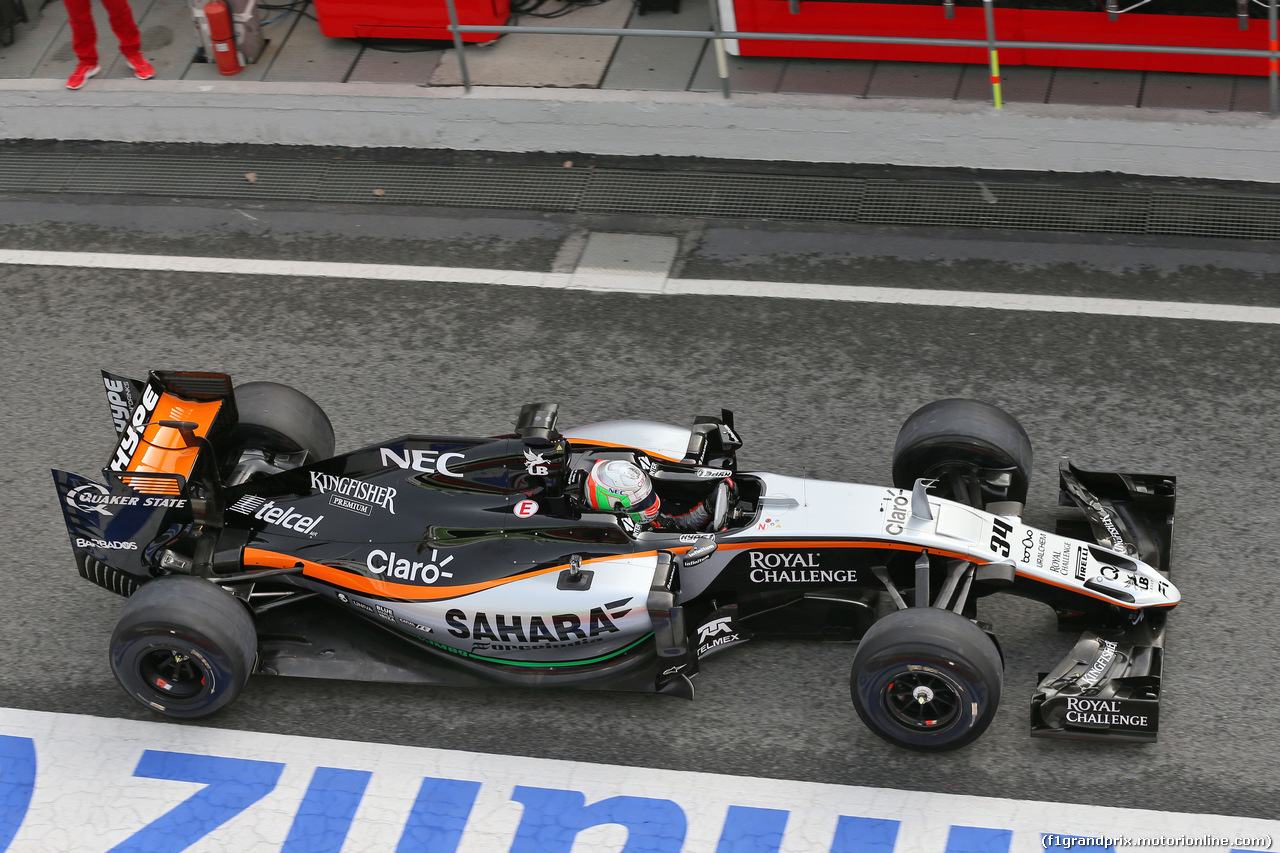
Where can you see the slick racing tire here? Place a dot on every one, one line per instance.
(926, 679)
(183, 646)
(978, 453)
(279, 419)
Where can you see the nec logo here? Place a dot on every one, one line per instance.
(426, 461)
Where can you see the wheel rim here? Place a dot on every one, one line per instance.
(172, 673)
(922, 701)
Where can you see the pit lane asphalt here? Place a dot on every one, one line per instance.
(816, 386)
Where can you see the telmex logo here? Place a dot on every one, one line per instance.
(714, 627)
(426, 461)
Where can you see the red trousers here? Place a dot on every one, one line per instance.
(84, 37)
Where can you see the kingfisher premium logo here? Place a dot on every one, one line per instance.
(346, 491)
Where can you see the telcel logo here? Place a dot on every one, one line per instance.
(281, 516)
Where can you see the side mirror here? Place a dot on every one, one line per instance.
(701, 548)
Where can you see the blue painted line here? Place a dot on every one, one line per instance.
(972, 839)
(324, 817)
(17, 783)
(748, 830)
(231, 786)
(439, 816)
(865, 835)
(553, 818)
(81, 799)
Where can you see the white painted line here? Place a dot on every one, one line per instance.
(76, 783)
(981, 299)
(673, 286)
(304, 269)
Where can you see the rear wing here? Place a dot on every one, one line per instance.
(119, 530)
(174, 418)
(161, 476)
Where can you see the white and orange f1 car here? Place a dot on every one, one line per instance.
(247, 546)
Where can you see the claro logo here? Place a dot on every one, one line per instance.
(896, 509)
(387, 562)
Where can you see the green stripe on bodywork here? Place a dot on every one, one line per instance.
(475, 656)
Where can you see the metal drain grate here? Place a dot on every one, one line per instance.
(728, 196)
(977, 204)
(541, 188)
(1205, 215)
(718, 195)
(34, 173)
(186, 176)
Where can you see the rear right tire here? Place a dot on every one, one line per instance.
(282, 419)
(183, 646)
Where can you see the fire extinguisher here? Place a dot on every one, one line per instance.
(223, 36)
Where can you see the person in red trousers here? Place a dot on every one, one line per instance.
(84, 40)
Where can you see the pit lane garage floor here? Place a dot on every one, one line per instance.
(297, 52)
(73, 783)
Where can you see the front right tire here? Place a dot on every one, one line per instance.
(926, 679)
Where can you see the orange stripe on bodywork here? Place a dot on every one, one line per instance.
(403, 591)
(591, 442)
(842, 543)
(387, 589)
(903, 547)
(162, 450)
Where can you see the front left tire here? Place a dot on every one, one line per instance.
(976, 452)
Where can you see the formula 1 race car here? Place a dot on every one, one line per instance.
(245, 545)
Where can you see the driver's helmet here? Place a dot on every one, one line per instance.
(616, 484)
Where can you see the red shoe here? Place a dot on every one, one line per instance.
(83, 72)
(141, 68)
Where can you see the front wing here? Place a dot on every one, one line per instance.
(1108, 687)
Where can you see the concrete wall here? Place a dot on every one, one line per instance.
(808, 128)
